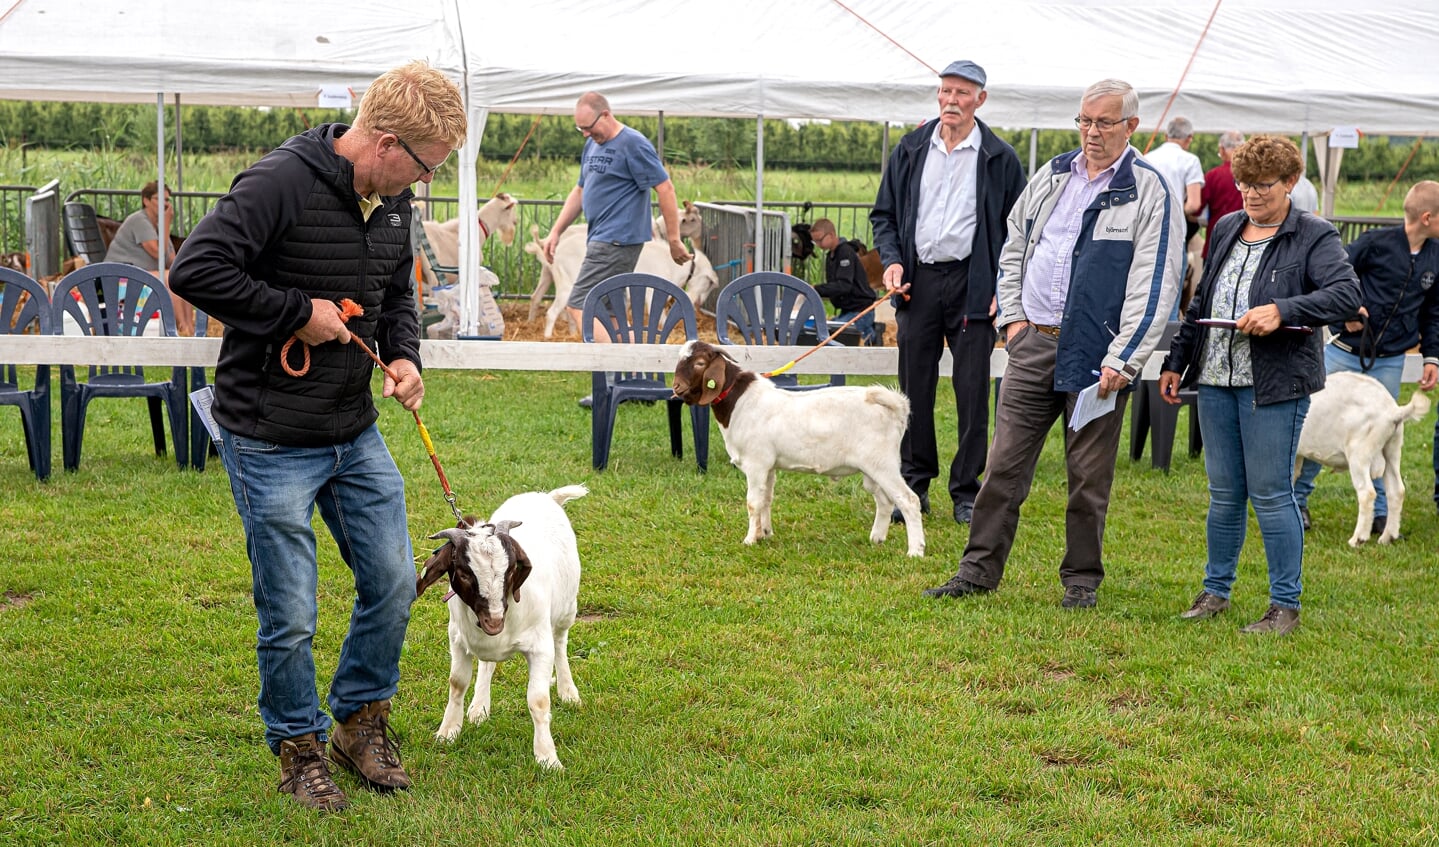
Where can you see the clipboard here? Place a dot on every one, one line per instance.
(1221, 323)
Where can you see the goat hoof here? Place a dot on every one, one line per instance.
(551, 764)
(447, 734)
(478, 717)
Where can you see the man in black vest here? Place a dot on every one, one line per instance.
(324, 217)
(939, 224)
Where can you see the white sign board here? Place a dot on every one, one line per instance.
(1344, 136)
(335, 97)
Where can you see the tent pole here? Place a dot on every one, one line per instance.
(660, 136)
(470, 244)
(179, 159)
(160, 178)
(884, 150)
(1033, 150)
(758, 262)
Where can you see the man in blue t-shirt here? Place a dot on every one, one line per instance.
(617, 171)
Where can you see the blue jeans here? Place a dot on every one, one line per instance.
(361, 497)
(1389, 370)
(1249, 455)
(864, 326)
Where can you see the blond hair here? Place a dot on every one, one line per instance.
(1423, 197)
(416, 103)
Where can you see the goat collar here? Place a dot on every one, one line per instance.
(484, 230)
(725, 393)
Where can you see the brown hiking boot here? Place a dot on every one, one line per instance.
(1278, 620)
(305, 773)
(1206, 605)
(365, 745)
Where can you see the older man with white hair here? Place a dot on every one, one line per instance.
(1086, 278)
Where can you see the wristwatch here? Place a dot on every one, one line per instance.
(1130, 372)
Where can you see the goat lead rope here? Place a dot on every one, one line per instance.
(844, 326)
(349, 309)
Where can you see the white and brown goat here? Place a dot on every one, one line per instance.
(835, 431)
(515, 584)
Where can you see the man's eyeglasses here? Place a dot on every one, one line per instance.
(1103, 124)
(425, 169)
(585, 130)
(1260, 188)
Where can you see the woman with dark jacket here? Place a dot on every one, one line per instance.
(1251, 342)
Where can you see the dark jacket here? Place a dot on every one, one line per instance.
(846, 284)
(896, 207)
(1306, 273)
(1399, 294)
(289, 230)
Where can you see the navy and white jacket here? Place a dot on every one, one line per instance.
(289, 230)
(1124, 277)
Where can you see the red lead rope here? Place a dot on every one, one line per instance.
(350, 309)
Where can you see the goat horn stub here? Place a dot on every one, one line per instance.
(506, 526)
(451, 534)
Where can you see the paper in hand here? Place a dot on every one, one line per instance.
(1088, 405)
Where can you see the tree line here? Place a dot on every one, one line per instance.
(720, 142)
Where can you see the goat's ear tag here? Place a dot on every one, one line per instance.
(709, 383)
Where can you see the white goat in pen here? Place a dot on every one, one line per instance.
(696, 277)
(499, 216)
(1353, 423)
(835, 431)
(528, 542)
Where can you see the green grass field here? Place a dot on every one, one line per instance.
(797, 692)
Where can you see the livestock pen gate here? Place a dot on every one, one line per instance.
(729, 243)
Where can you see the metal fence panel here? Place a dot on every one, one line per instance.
(12, 216)
(42, 230)
(729, 242)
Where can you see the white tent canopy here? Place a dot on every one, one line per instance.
(258, 53)
(1281, 65)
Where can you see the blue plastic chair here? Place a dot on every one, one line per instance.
(769, 308)
(24, 307)
(82, 232)
(639, 308)
(111, 300)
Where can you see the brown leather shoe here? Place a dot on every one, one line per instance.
(365, 745)
(305, 773)
(1278, 620)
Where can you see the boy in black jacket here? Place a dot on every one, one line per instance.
(846, 284)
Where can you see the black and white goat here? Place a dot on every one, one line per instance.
(527, 543)
(835, 431)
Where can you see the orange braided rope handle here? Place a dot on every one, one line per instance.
(348, 309)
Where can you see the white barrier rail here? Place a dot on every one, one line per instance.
(509, 356)
(464, 355)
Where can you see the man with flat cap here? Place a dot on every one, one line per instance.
(939, 224)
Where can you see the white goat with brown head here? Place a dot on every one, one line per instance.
(835, 431)
(515, 584)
